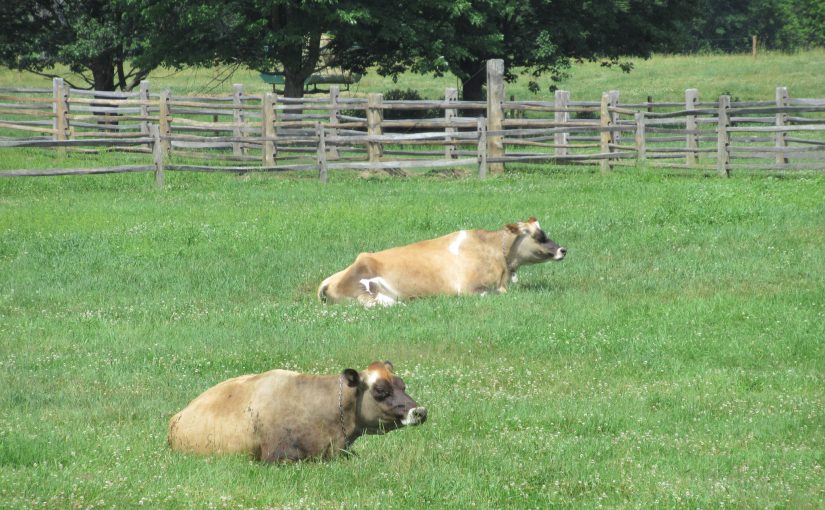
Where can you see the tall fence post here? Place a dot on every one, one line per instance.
(604, 133)
(268, 129)
(157, 155)
(144, 106)
(450, 96)
(781, 137)
(723, 137)
(615, 136)
(375, 115)
(482, 147)
(641, 145)
(334, 93)
(322, 153)
(495, 112)
(238, 118)
(691, 126)
(562, 117)
(61, 112)
(164, 121)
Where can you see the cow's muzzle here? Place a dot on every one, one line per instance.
(561, 251)
(415, 416)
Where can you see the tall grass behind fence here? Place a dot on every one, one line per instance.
(242, 133)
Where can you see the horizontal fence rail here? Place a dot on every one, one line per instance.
(240, 133)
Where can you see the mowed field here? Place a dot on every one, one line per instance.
(674, 359)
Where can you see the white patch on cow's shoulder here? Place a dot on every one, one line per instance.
(456, 244)
(414, 416)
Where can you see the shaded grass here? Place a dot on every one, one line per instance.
(665, 77)
(674, 359)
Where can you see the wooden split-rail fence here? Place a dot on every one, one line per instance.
(265, 133)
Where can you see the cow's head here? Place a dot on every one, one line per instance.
(532, 245)
(382, 402)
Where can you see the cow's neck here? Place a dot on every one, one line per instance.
(509, 245)
(346, 424)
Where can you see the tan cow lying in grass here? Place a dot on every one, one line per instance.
(464, 262)
(285, 416)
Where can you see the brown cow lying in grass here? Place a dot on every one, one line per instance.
(285, 416)
(464, 262)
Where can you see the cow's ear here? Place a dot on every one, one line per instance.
(351, 377)
(389, 366)
(532, 219)
(512, 227)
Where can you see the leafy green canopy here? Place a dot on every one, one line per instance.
(106, 42)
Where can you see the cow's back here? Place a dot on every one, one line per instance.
(226, 418)
(458, 263)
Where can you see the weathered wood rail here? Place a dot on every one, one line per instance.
(265, 133)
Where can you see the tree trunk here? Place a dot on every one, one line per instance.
(473, 88)
(294, 84)
(299, 64)
(103, 74)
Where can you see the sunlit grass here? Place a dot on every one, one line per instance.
(673, 360)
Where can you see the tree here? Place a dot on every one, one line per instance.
(103, 41)
(728, 25)
(545, 36)
(297, 39)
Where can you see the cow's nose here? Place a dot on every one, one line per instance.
(415, 416)
(420, 413)
(562, 252)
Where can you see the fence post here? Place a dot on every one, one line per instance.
(615, 136)
(691, 126)
(450, 96)
(238, 118)
(322, 153)
(604, 133)
(61, 111)
(334, 92)
(482, 147)
(375, 115)
(562, 117)
(723, 138)
(164, 117)
(268, 129)
(495, 112)
(157, 154)
(781, 121)
(641, 146)
(144, 106)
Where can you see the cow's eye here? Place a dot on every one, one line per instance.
(380, 393)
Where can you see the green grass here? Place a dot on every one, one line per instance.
(674, 359)
(664, 77)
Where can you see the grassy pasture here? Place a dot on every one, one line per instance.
(665, 77)
(675, 359)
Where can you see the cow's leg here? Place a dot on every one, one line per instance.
(286, 451)
(363, 282)
(503, 281)
(379, 292)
